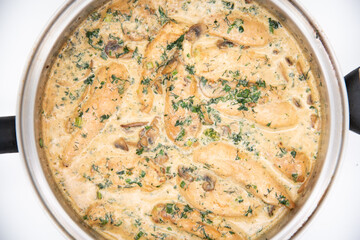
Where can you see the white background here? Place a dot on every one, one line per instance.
(21, 214)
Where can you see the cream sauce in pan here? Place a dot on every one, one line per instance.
(181, 120)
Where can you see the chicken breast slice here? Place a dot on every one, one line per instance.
(107, 88)
(227, 161)
(218, 195)
(240, 29)
(159, 52)
(272, 114)
(293, 164)
(192, 221)
(182, 121)
(126, 172)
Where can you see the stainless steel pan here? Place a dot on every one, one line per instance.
(23, 136)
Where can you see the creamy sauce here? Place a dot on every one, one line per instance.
(181, 120)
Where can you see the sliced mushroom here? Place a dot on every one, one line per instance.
(223, 44)
(195, 32)
(114, 50)
(209, 183)
(121, 143)
(150, 134)
(212, 89)
(313, 120)
(171, 65)
(134, 124)
(270, 210)
(310, 100)
(276, 51)
(296, 102)
(185, 173)
(157, 86)
(289, 61)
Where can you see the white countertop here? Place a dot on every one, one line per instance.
(21, 214)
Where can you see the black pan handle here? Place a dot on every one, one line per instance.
(8, 142)
(352, 81)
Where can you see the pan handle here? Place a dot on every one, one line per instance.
(352, 81)
(8, 142)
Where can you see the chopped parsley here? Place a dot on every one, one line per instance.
(139, 235)
(177, 43)
(104, 117)
(237, 24)
(139, 151)
(190, 69)
(239, 199)
(295, 176)
(181, 135)
(163, 18)
(228, 5)
(240, 97)
(212, 134)
(282, 200)
(273, 25)
(89, 80)
(249, 211)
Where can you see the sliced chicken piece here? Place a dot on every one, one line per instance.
(218, 59)
(240, 29)
(294, 164)
(275, 114)
(125, 172)
(158, 54)
(191, 221)
(227, 161)
(218, 195)
(112, 220)
(137, 23)
(149, 134)
(107, 89)
(182, 121)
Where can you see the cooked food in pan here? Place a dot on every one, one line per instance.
(181, 120)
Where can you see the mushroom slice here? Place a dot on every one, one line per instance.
(297, 102)
(121, 143)
(134, 124)
(222, 44)
(211, 88)
(227, 161)
(192, 221)
(209, 183)
(149, 135)
(106, 93)
(195, 31)
(167, 40)
(218, 195)
(114, 50)
(239, 29)
(185, 173)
